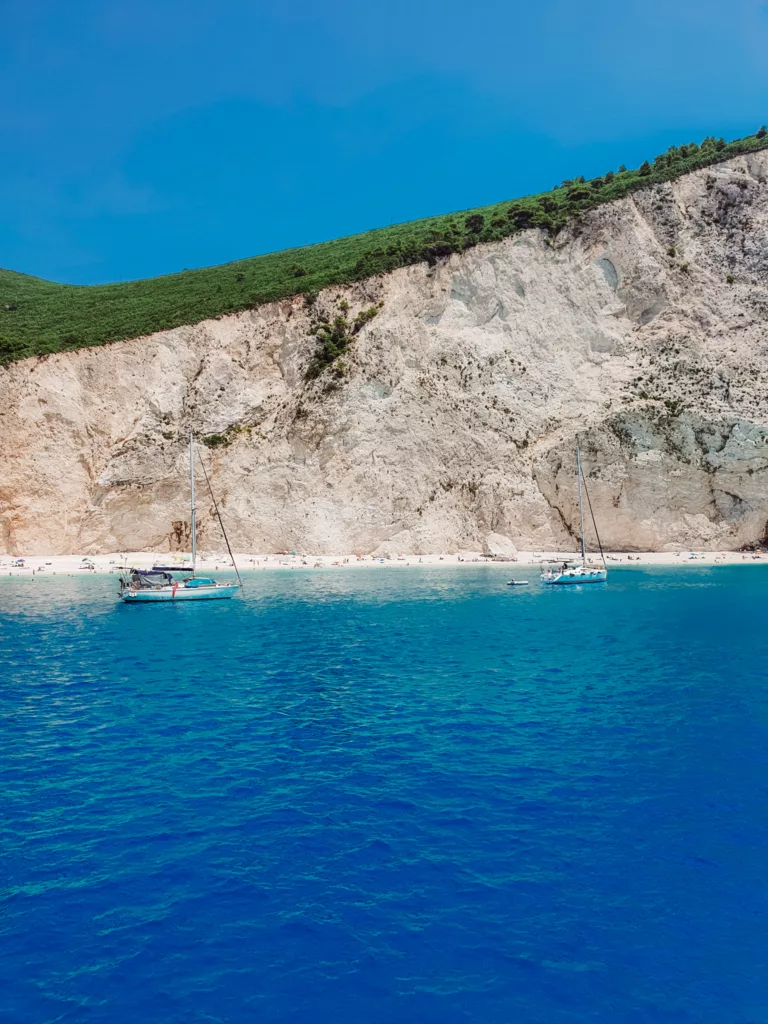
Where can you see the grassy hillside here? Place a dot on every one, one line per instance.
(37, 317)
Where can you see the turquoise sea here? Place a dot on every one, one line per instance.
(387, 795)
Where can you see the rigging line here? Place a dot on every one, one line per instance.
(589, 502)
(218, 516)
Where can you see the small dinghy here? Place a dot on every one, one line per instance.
(517, 583)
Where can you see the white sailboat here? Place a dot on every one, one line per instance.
(138, 586)
(580, 572)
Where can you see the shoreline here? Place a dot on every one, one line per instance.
(85, 565)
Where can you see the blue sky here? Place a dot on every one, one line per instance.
(138, 138)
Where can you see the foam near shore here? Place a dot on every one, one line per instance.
(11, 565)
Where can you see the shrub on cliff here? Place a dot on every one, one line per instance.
(334, 337)
(521, 216)
(11, 350)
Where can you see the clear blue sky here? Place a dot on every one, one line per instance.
(139, 137)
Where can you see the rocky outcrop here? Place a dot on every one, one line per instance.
(639, 332)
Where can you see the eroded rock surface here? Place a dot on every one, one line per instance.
(640, 332)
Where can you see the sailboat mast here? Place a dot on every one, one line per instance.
(581, 510)
(192, 499)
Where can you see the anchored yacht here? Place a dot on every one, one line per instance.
(579, 572)
(165, 583)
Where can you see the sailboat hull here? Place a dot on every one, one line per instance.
(220, 592)
(573, 576)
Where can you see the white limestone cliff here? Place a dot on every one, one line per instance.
(640, 332)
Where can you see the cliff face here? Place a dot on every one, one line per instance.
(640, 332)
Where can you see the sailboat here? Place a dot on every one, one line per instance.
(160, 583)
(580, 572)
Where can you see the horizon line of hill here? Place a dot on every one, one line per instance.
(38, 317)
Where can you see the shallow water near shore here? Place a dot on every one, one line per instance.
(388, 796)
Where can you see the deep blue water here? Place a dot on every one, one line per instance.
(387, 796)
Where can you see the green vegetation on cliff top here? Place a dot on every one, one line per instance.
(38, 317)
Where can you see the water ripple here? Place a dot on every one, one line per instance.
(401, 795)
